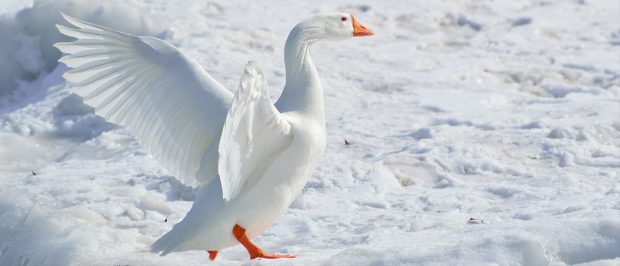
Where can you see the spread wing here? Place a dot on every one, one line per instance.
(173, 107)
(253, 136)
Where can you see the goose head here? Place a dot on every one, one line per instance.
(303, 91)
(337, 26)
(328, 27)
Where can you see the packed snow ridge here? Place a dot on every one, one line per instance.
(504, 112)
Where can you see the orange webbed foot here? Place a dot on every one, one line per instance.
(212, 254)
(275, 256)
(255, 251)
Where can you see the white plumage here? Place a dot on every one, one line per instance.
(188, 121)
(251, 117)
(167, 101)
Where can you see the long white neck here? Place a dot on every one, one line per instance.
(303, 92)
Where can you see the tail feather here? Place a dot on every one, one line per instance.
(170, 242)
(199, 225)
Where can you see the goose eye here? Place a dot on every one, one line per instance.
(343, 19)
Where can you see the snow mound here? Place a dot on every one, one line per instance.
(27, 36)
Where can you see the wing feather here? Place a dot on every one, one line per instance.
(173, 107)
(253, 135)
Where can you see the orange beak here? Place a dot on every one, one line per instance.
(359, 29)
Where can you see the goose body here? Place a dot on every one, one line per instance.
(248, 157)
(208, 224)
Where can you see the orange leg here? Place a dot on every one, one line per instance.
(212, 254)
(255, 251)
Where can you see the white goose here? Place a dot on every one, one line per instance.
(187, 120)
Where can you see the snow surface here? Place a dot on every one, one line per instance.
(507, 112)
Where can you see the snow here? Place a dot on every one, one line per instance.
(507, 112)
(28, 33)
